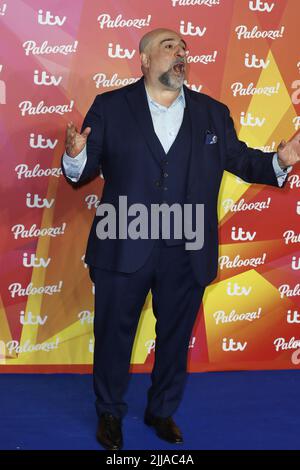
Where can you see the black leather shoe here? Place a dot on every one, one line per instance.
(109, 432)
(165, 428)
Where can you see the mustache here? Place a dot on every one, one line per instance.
(179, 62)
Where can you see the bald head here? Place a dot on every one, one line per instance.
(163, 58)
(148, 38)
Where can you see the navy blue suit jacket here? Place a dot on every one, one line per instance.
(123, 142)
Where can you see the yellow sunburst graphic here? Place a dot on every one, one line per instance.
(145, 336)
(2, 353)
(275, 114)
(4, 326)
(243, 306)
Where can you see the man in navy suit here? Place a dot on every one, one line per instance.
(157, 143)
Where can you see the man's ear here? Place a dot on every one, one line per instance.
(145, 61)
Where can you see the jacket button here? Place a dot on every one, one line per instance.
(165, 188)
(166, 175)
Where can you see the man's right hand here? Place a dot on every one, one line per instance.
(75, 142)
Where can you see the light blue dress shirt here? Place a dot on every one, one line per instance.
(166, 123)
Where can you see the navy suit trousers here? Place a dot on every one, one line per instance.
(119, 300)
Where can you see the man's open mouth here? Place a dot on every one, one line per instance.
(179, 68)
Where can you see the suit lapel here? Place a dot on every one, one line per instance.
(138, 103)
(199, 119)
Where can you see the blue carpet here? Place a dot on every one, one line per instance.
(220, 410)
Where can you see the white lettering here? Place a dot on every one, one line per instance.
(23, 170)
(249, 120)
(86, 317)
(191, 30)
(242, 235)
(242, 32)
(192, 3)
(261, 6)
(102, 80)
(286, 290)
(281, 343)
(27, 347)
(237, 290)
(50, 19)
(92, 201)
(35, 262)
(232, 345)
(117, 52)
(17, 289)
(239, 89)
(20, 231)
(294, 181)
(291, 237)
(202, 59)
(45, 79)
(27, 107)
(30, 319)
(65, 49)
(34, 200)
(226, 262)
(41, 142)
(254, 62)
(221, 317)
(106, 21)
(229, 205)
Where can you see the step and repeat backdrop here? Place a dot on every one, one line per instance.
(55, 57)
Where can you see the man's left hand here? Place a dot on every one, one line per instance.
(289, 152)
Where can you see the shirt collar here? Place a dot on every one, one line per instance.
(179, 100)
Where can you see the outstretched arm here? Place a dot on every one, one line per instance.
(83, 154)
